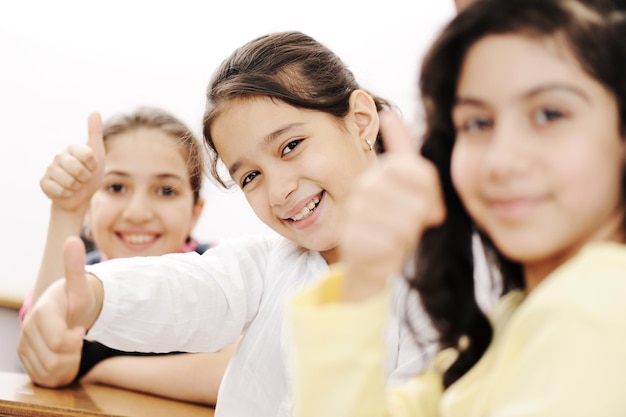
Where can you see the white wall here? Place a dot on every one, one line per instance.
(10, 330)
(60, 60)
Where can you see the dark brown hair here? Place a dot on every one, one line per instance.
(287, 66)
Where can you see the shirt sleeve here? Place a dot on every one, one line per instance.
(179, 302)
(560, 353)
(338, 358)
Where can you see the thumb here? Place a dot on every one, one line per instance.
(95, 138)
(395, 134)
(76, 287)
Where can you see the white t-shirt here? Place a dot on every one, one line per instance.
(199, 303)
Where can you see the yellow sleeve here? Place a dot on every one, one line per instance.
(338, 357)
(563, 353)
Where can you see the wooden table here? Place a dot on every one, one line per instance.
(19, 397)
(11, 299)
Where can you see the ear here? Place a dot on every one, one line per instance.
(365, 116)
(196, 212)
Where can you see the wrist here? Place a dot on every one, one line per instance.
(60, 213)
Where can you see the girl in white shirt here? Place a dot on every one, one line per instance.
(292, 127)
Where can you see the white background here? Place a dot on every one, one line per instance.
(60, 60)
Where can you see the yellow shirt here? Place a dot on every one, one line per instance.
(561, 351)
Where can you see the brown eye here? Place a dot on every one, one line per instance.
(246, 180)
(544, 116)
(167, 191)
(291, 146)
(477, 125)
(116, 188)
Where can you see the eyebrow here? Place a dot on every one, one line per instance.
(162, 176)
(530, 94)
(267, 140)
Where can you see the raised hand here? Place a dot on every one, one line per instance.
(75, 174)
(388, 210)
(52, 333)
(69, 182)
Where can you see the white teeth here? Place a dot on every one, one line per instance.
(306, 210)
(138, 239)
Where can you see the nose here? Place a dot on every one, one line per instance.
(506, 153)
(280, 185)
(139, 208)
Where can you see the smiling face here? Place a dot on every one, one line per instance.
(145, 205)
(538, 158)
(296, 166)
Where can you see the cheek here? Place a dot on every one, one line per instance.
(463, 172)
(170, 215)
(259, 205)
(101, 212)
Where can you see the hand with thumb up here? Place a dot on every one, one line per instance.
(387, 211)
(52, 333)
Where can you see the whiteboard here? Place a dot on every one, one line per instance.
(61, 60)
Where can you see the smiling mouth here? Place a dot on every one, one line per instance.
(138, 239)
(306, 210)
(514, 207)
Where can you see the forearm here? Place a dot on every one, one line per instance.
(62, 224)
(193, 377)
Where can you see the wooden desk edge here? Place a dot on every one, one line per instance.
(19, 397)
(11, 299)
(35, 410)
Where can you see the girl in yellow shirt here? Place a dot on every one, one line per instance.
(525, 144)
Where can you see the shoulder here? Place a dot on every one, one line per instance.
(277, 258)
(571, 325)
(266, 244)
(594, 279)
(586, 294)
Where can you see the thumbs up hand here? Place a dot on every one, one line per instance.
(51, 339)
(75, 174)
(387, 211)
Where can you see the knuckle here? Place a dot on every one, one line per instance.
(55, 343)
(51, 364)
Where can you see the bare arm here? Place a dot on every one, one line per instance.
(193, 377)
(69, 182)
(61, 225)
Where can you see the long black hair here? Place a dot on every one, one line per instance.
(595, 33)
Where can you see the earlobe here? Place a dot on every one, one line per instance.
(363, 109)
(196, 212)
